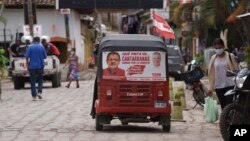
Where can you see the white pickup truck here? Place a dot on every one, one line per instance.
(20, 71)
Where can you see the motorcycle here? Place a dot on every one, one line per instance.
(238, 112)
(192, 78)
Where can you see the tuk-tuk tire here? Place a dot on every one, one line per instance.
(164, 120)
(166, 128)
(98, 126)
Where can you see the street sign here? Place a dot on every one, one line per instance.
(37, 30)
(65, 11)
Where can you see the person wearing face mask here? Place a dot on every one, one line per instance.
(73, 73)
(219, 63)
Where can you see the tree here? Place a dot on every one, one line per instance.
(221, 15)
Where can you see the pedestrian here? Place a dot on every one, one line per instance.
(74, 73)
(35, 56)
(50, 48)
(22, 48)
(14, 48)
(219, 63)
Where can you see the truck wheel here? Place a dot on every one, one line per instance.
(98, 125)
(59, 80)
(55, 80)
(22, 83)
(17, 83)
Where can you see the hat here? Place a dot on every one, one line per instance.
(47, 38)
(25, 38)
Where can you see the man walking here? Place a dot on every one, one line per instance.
(35, 56)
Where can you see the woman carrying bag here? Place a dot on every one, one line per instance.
(219, 63)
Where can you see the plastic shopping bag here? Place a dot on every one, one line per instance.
(210, 110)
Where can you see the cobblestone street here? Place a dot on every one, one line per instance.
(63, 115)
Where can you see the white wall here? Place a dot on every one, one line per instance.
(52, 23)
(75, 34)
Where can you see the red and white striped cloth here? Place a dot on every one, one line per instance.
(162, 27)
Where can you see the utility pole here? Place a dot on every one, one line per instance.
(31, 20)
(66, 20)
(30, 14)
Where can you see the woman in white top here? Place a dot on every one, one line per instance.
(220, 62)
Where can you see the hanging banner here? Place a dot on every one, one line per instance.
(37, 30)
(134, 65)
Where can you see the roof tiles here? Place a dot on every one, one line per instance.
(18, 3)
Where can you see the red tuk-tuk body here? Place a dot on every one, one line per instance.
(138, 92)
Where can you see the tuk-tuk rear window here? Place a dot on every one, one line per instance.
(134, 65)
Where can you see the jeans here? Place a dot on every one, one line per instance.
(224, 100)
(36, 75)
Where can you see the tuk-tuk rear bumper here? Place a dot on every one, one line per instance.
(134, 109)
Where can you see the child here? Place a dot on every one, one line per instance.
(74, 73)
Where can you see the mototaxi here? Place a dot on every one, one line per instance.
(139, 91)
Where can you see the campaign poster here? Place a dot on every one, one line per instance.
(134, 65)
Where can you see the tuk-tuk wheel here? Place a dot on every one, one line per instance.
(166, 128)
(98, 126)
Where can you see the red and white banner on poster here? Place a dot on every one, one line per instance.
(134, 65)
(162, 27)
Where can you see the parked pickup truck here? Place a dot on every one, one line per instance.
(20, 72)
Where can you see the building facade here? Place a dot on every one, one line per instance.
(53, 25)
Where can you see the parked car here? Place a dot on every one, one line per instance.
(176, 63)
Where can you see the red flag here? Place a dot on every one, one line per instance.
(162, 27)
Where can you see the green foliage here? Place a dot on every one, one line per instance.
(208, 12)
(180, 13)
(173, 5)
(200, 59)
(2, 19)
(3, 60)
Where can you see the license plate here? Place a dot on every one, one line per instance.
(160, 104)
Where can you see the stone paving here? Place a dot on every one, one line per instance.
(63, 115)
